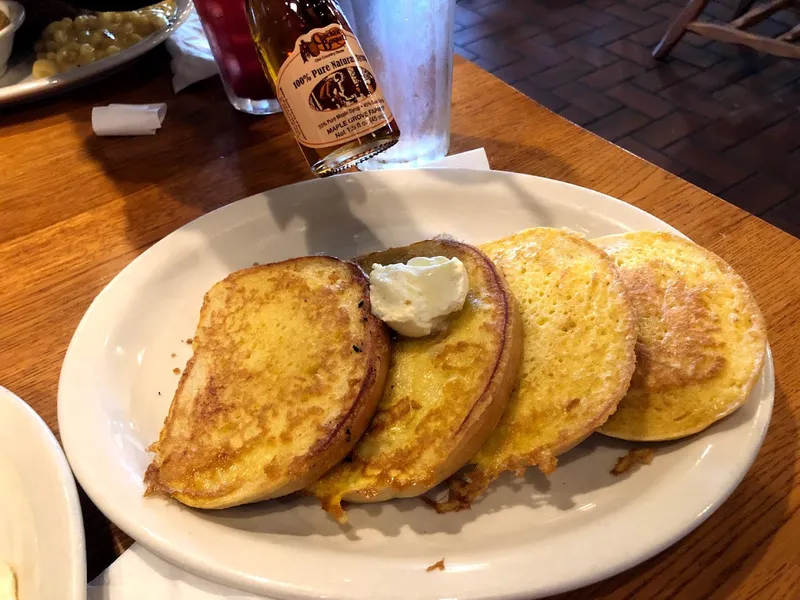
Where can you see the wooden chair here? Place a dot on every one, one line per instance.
(745, 16)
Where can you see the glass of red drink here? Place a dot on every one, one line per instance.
(228, 32)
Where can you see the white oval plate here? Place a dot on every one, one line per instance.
(525, 538)
(41, 528)
(19, 84)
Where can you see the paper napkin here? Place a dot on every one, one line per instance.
(192, 60)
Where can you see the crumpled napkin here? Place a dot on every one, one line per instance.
(192, 59)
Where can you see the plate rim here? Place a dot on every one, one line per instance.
(161, 547)
(47, 438)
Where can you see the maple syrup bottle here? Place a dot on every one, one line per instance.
(323, 81)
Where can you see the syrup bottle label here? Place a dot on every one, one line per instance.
(327, 90)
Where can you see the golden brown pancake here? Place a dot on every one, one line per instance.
(702, 338)
(579, 335)
(289, 364)
(444, 394)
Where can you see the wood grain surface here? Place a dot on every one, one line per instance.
(75, 209)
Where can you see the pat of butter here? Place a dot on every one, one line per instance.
(8, 583)
(415, 298)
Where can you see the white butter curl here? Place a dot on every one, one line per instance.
(415, 298)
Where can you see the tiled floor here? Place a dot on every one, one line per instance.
(721, 116)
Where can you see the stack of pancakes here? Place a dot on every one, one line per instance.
(296, 385)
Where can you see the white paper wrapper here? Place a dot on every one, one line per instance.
(128, 119)
(471, 159)
(139, 574)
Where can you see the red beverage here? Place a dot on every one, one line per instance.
(228, 33)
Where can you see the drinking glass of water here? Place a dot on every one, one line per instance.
(410, 46)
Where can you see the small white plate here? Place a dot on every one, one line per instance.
(19, 84)
(41, 528)
(526, 538)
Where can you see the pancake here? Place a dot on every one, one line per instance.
(702, 338)
(578, 338)
(444, 393)
(289, 365)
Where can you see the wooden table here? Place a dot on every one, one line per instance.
(75, 209)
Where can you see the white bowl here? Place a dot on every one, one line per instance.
(16, 14)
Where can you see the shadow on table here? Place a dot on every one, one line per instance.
(206, 155)
(226, 156)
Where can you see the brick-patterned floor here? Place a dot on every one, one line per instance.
(723, 117)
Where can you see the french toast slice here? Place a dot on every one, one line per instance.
(578, 358)
(289, 365)
(702, 339)
(444, 394)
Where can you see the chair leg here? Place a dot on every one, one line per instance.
(678, 27)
